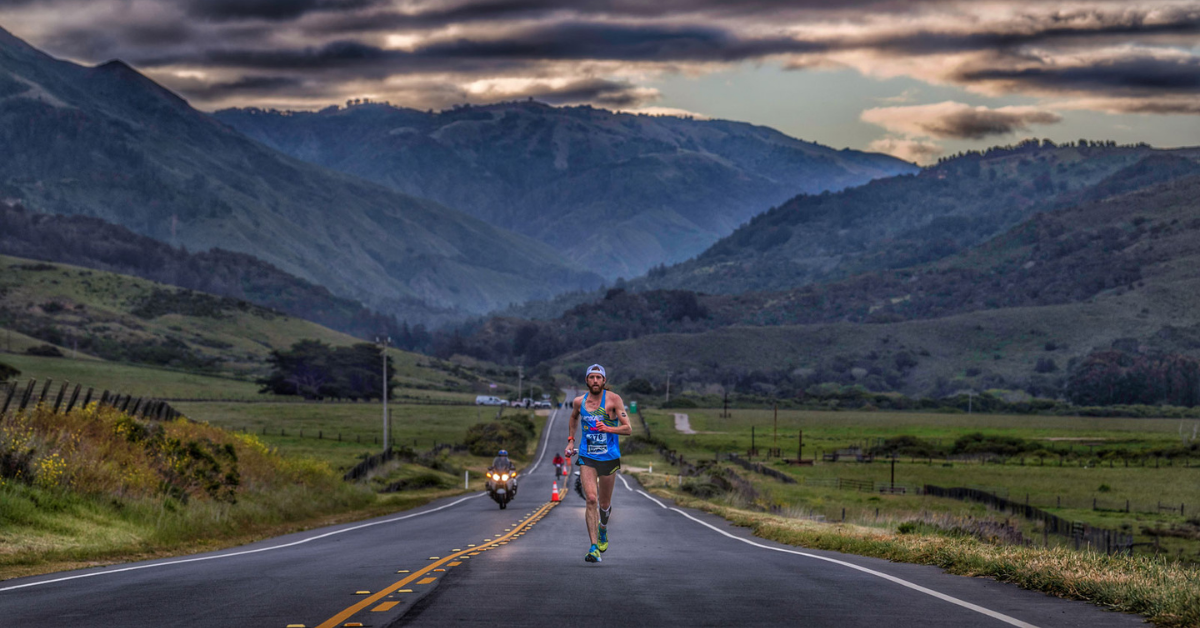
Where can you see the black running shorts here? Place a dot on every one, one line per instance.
(602, 467)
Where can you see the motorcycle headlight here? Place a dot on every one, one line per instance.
(504, 478)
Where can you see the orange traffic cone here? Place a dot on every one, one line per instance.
(566, 470)
(554, 498)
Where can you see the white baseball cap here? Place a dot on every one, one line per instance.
(596, 368)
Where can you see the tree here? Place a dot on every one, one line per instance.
(314, 370)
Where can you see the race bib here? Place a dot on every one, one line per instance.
(597, 444)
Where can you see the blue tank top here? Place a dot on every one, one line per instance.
(598, 445)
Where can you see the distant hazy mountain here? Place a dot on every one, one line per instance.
(1064, 256)
(108, 142)
(903, 221)
(621, 193)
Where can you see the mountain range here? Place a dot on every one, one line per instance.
(1016, 313)
(619, 192)
(107, 142)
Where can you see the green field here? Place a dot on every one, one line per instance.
(359, 425)
(1067, 491)
(160, 383)
(139, 381)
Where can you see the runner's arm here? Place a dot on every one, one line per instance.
(625, 428)
(572, 423)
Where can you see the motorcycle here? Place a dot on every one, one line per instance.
(502, 486)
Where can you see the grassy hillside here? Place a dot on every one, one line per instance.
(96, 244)
(906, 221)
(141, 337)
(663, 187)
(980, 350)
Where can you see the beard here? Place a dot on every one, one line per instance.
(595, 388)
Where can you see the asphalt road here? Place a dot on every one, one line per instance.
(463, 561)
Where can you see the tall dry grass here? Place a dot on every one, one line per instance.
(94, 484)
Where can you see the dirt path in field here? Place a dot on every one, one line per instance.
(682, 424)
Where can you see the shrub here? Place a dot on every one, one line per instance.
(485, 439)
(640, 386)
(8, 372)
(680, 402)
(46, 351)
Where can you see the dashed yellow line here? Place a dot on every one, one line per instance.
(386, 606)
(334, 621)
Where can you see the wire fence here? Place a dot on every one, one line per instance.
(16, 400)
(1081, 534)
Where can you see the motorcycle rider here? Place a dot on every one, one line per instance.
(502, 464)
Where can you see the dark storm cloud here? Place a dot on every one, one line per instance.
(1060, 28)
(588, 40)
(575, 41)
(1132, 74)
(955, 120)
(252, 85)
(615, 94)
(275, 10)
(445, 14)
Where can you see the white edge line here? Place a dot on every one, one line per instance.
(243, 552)
(545, 440)
(622, 476)
(647, 496)
(916, 587)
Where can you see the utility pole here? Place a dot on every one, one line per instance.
(668, 386)
(520, 381)
(893, 472)
(387, 444)
(775, 435)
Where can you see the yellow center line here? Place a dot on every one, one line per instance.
(332, 622)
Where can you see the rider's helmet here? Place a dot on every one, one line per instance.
(503, 452)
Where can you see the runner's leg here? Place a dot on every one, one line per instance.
(606, 490)
(592, 511)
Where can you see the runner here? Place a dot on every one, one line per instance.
(604, 419)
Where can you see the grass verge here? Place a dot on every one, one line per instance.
(95, 487)
(1167, 594)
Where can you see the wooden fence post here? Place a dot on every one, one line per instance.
(74, 397)
(58, 399)
(27, 395)
(45, 390)
(12, 392)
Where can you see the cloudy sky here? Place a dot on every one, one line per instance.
(915, 78)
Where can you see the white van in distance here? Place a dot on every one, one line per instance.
(488, 400)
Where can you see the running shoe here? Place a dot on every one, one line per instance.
(593, 555)
(603, 544)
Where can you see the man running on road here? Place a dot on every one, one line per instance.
(604, 419)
